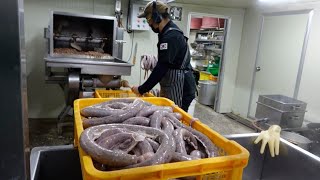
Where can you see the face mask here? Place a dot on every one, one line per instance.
(155, 30)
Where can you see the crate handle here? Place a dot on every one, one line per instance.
(296, 107)
(192, 121)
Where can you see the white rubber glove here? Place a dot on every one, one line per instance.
(272, 137)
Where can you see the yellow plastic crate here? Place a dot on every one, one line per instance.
(205, 76)
(229, 166)
(117, 94)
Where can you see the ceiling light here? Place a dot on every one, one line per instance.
(276, 1)
(164, 1)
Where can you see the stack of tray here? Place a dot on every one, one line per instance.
(281, 110)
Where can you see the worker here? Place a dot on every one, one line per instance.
(173, 70)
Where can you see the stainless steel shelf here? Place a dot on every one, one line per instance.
(213, 49)
(204, 32)
(208, 40)
(209, 29)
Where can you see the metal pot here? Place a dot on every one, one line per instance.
(207, 92)
(296, 139)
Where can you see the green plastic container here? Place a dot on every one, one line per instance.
(217, 59)
(213, 70)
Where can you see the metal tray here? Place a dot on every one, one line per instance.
(286, 119)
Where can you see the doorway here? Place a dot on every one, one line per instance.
(280, 55)
(207, 41)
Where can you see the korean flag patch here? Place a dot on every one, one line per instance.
(163, 46)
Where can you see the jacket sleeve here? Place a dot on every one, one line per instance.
(158, 72)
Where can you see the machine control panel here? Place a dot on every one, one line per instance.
(138, 23)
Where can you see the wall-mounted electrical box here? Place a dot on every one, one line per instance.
(135, 22)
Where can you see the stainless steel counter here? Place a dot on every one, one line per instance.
(293, 163)
(92, 66)
(55, 162)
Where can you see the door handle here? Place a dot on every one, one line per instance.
(294, 118)
(258, 68)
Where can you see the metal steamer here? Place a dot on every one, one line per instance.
(84, 52)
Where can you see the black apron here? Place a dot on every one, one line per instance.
(172, 84)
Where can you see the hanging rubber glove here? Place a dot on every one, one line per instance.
(272, 137)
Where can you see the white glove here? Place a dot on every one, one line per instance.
(272, 137)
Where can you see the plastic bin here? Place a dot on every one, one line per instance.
(196, 23)
(209, 22)
(221, 23)
(229, 166)
(118, 94)
(213, 70)
(206, 75)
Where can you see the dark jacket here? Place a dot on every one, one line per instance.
(172, 47)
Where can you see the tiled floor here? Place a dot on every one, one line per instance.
(218, 122)
(43, 132)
